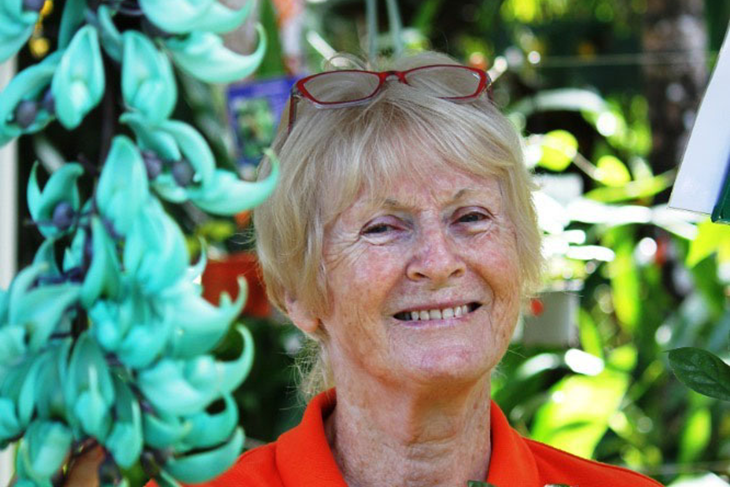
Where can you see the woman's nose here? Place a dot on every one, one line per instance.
(436, 259)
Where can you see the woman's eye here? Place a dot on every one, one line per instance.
(472, 217)
(375, 229)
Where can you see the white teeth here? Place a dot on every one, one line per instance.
(438, 314)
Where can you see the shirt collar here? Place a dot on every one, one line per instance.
(304, 458)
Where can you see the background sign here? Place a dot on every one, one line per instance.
(706, 160)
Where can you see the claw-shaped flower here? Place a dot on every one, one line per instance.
(9, 424)
(19, 384)
(71, 20)
(103, 276)
(125, 440)
(203, 56)
(148, 85)
(26, 105)
(55, 209)
(228, 195)
(188, 169)
(39, 310)
(88, 389)
(155, 252)
(162, 430)
(187, 157)
(199, 325)
(111, 39)
(42, 451)
(184, 387)
(49, 393)
(123, 189)
(132, 328)
(199, 467)
(16, 26)
(208, 430)
(79, 81)
(181, 16)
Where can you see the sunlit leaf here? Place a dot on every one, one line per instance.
(590, 337)
(559, 148)
(695, 435)
(634, 190)
(576, 417)
(612, 172)
(711, 238)
(625, 285)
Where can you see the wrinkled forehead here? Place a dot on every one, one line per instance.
(422, 181)
(375, 151)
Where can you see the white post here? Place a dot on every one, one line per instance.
(8, 234)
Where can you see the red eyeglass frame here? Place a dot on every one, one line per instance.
(299, 90)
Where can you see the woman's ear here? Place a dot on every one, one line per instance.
(300, 315)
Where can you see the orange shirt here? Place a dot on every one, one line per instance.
(301, 457)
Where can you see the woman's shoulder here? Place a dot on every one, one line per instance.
(254, 468)
(561, 467)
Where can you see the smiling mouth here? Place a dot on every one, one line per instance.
(437, 314)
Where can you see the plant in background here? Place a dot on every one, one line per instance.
(104, 338)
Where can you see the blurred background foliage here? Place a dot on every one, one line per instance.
(584, 81)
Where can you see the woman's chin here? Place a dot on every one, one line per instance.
(448, 364)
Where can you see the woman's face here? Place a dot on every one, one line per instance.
(425, 287)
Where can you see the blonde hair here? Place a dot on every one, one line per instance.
(332, 155)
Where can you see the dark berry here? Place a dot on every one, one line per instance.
(63, 215)
(33, 5)
(183, 172)
(48, 103)
(152, 163)
(25, 113)
(109, 473)
(88, 249)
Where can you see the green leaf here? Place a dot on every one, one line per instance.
(612, 172)
(701, 371)
(476, 483)
(696, 435)
(590, 337)
(576, 417)
(643, 188)
(559, 148)
(625, 283)
(711, 238)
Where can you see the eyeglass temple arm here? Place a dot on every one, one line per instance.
(293, 100)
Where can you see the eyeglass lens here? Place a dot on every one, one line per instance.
(445, 81)
(345, 86)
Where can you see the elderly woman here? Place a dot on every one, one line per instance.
(402, 240)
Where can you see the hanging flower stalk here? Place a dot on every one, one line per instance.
(111, 344)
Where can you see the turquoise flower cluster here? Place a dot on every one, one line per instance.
(105, 338)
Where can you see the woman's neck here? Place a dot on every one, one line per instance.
(411, 437)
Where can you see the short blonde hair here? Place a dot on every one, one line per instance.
(332, 155)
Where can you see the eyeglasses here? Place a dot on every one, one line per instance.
(345, 88)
